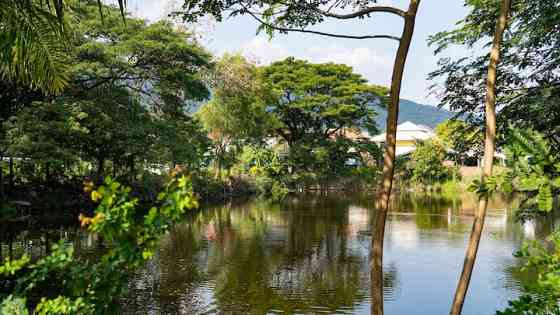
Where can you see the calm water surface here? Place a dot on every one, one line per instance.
(309, 255)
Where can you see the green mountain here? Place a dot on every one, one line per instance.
(417, 113)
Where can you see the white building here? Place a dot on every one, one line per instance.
(408, 133)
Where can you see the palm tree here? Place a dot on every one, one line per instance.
(31, 46)
(32, 43)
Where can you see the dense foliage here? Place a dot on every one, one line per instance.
(319, 100)
(461, 140)
(534, 169)
(62, 283)
(427, 163)
(88, 92)
(310, 117)
(236, 113)
(542, 296)
(527, 90)
(528, 87)
(320, 112)
(125, 109)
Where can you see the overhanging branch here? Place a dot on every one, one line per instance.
(301, 30)
(366, 11)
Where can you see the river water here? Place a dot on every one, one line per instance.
(309, 255)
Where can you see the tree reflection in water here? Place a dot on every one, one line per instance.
(306, 255)
(310, 254)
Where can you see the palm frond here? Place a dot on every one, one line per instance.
(32, 45)
(32, 40)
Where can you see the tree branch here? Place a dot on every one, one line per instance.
(287, 29)
(365, 11)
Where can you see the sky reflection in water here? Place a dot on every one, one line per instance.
(310, 255)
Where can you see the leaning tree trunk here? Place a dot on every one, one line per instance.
(389, 160)
(489, 146)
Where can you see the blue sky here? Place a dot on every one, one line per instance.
(373, 58)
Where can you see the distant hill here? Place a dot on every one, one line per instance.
(417, 113)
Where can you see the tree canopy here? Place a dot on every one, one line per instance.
(290, 16)
(316, 101)
(128, 98)
(460, 139)
(528, 83)
(238, 104)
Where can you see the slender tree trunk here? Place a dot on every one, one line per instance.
(489, 147)
(220, 151)
(2, 192)
(389, 160)
(132, 168)
(12, 174)
(48, 172)
(173, 160)
(11, 246)
(218, 167)
(100, 169)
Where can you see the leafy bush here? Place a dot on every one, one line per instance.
(367, 173)
(534, 170)
(278, 191)
(542, 297)
(427, 164)
(82, 286)
(266, 171)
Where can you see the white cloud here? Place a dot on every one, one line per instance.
(368, 62)
(359, 57)
(264, 51)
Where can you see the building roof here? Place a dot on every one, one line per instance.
(409, 131)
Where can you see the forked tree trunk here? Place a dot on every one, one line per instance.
(389, 160)
(489, 147)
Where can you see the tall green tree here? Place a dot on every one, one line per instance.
(314, 107)
(157, 63)
(528, 82)
(318, 101)
(427, 163)
(479, 26)
(239, 100)
(125, 84)
(236, 114)
(154, 73)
